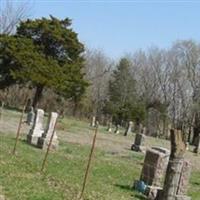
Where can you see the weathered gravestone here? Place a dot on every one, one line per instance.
(128, 128)
(45, 139)
(155, 166)
(177, 176)
(93, 121)
(30, 117)
(37, 129)
(139, 142)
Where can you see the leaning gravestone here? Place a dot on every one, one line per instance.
(128, 128)
(45, 139)
(30, 117)
(176, 176)
(37, 128)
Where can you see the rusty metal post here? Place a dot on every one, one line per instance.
(89, 161)
(19, 127)
(49, 146)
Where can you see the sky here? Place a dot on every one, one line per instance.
(120, 27)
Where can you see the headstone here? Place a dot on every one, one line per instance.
(93, 121)
(37, 128)
(109, 129)
(44, 140)
(155, 165)
(117, 129)
(139, 142)
(30, 117)
(129, 128)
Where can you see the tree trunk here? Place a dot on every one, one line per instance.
(175, 165)
(189, 134)
(195, 135)
(196, 129)
(38, 95)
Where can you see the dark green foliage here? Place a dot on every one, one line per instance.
(46, 53)
(123, 103)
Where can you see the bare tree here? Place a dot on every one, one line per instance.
(188, 54)
(11, 15)
(97, 69)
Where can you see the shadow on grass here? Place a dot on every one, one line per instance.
(140, 196)
(124, 187)
(196, 183)
(130, 189)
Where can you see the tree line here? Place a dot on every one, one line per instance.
(44, 59)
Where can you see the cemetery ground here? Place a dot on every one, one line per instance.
(113, 169)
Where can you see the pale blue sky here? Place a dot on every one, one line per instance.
(120, 27)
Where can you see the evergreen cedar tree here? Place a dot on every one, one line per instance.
(44, 53)
(123, 103)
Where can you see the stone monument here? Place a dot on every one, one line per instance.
(155, 166)
(139, 143)
(30, 117)
(37, 128)
(43, 141)
(128, 128)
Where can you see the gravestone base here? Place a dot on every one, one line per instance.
(44, 142)
(138, 148)
(139, 143)
(151, 192)
(33, 140)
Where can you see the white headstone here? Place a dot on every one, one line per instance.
(44, 140)
(128, 128)
(37, 128)
(93, 121)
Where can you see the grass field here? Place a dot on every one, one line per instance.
(113, 169)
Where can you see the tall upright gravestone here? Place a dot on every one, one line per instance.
(44, 140)
(37, 129)
(93, 121)
(177, 176)
(128, 128)
(30, 116)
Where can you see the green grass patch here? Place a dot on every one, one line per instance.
(111, 176)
